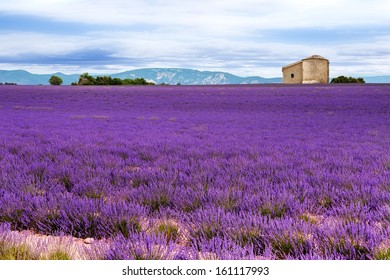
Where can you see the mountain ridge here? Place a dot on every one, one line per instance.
(170, 76)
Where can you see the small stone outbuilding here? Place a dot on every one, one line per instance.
(311, 70)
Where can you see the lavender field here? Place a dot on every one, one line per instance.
(185, 172)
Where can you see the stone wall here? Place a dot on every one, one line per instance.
(292, 74)
(315, 70)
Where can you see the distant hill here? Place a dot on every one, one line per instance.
(22, 77)
(175, 76)
(377, 79)
(170, 76)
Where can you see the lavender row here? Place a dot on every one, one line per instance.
(201, 172)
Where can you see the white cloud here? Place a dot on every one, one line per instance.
(16, 44)
(130, 50)
(220, 14)
(224, 35)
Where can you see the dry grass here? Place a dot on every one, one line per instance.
(44, 247)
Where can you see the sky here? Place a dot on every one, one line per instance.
(243, 37)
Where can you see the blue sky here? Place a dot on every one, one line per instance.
(245, 37)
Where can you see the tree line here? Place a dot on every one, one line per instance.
(8, 84)
(346, 80)
(88, 80)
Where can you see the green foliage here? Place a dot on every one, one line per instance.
(361, 80)
(15, 252)
(8, 84)
(284, 245)
(157, 202)
(350, 248)
(170, 231)
(55, 81)
(251, 237)
(59, 255)
(326, 202)
(88, 80)
(125, 227)
(230, 203)
(67, 182)
(383, 254)
(343, 79)
(273, 211)
(206, 231)
(94, 193)
(308, 219)
(192, 205)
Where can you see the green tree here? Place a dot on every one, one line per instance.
(103, 80)
(55, 81)
(343, 79)
(361, 80)
(86, 80)
(116, 82)
(127, 81)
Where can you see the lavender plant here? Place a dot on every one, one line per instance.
(244, 172)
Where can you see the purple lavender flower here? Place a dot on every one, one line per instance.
(241, 172)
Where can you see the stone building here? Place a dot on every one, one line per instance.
(311, 70)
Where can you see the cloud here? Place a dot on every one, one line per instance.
(87, 57)
(248, 37)
(31, 23)
(128, 50)
(205, 14)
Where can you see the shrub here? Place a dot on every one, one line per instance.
(343, 79)
(55, 81)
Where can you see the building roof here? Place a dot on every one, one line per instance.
(307, 58)
(292, 64)
(315, 57)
